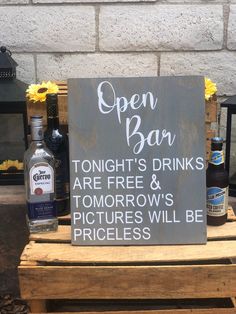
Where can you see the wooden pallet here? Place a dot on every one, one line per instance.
(52, 269)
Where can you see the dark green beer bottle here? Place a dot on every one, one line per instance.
(57, 141)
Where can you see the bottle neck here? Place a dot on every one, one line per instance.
(37, 133)
(53, 122)
(52, 113)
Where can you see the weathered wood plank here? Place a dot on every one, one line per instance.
(233, 300)
(127, 282)
(209, 135)
(37, 306)
(211, 110)
(227, 231)
(63, 235)
(65, 253)
(177, 311)
(231, 214)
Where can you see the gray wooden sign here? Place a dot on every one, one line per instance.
(137, 151)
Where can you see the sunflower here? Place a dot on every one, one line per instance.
(210, 88)
(38, 92)
(11, 165)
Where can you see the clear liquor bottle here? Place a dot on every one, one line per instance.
(40, 182)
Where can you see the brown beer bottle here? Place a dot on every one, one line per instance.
(217, 181)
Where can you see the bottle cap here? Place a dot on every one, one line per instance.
(36, 128)
(217, 140)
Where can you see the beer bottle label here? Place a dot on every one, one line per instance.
(217, 157)
(217, 201)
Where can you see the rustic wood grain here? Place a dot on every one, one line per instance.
(65, 253)
(211, 110)
(209, 135)
(226, 231)
(210, 116)
(37, 306)
(127, 282)
(233, 300)
(63, 235)
(177, 311)
(231, 214)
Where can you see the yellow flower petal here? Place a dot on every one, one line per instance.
(7, 164)
(38, 92)
(210, 88)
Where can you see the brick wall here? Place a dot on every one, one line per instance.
(57, 39)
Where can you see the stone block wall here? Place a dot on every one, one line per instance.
(57, 39)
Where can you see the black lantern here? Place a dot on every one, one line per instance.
(13, 121)
(230, 154)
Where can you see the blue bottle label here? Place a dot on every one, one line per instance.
(217, 201)
(44, 210)
(217, 157)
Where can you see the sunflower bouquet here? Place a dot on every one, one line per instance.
(38, 92)
(36, 98)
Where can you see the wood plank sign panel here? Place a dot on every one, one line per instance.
(137, 148)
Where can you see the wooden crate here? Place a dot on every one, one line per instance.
(52, 269)
(40, 108)
(211, 113)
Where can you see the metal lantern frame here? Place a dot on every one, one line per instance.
(12, 101)
(7, 65)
